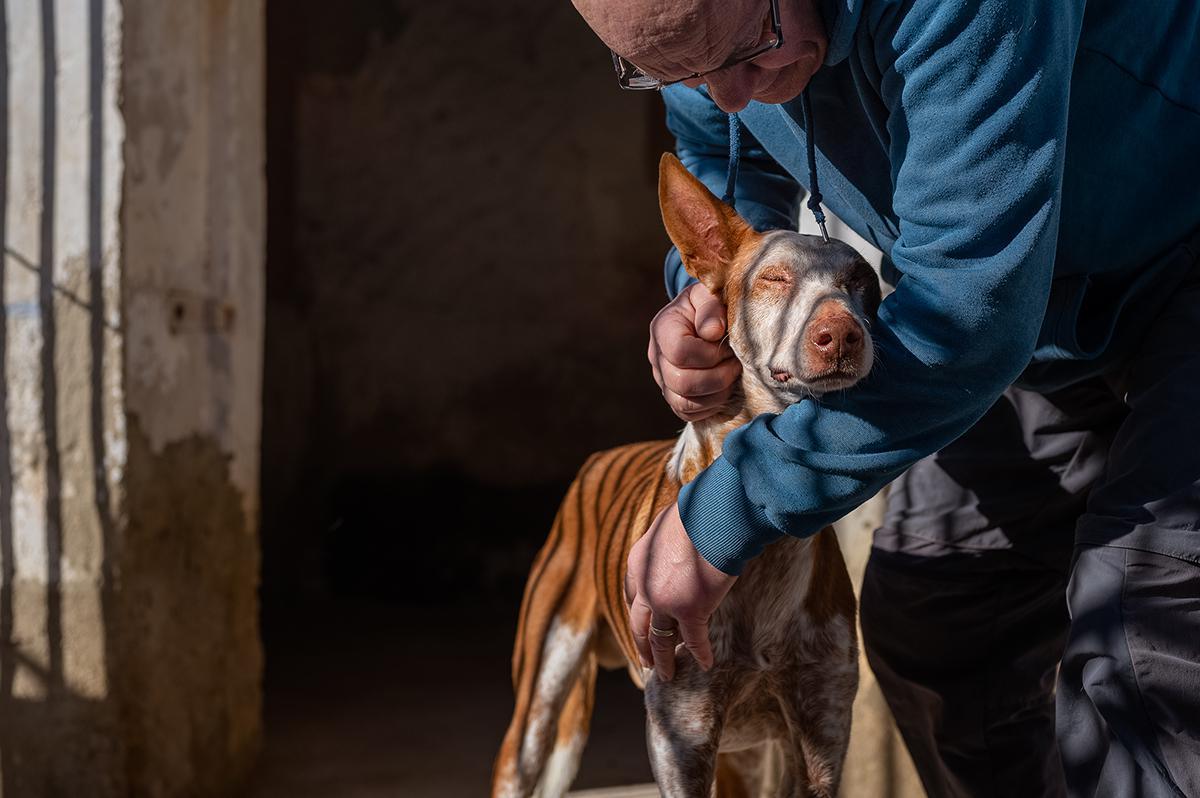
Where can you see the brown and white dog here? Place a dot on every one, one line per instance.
(772, 717)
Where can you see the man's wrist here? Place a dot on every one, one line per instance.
(723, 524)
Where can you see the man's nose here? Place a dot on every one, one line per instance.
(833, 334)
(732, 89)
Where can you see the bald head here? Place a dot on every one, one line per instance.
(674, 39)
(671, 40)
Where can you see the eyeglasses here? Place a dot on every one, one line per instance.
(634, 78)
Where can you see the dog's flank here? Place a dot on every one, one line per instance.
(772, 716)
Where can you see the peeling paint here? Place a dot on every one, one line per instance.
(190, 661)
(129, 653)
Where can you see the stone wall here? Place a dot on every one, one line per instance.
(60, 397)
(129, 410)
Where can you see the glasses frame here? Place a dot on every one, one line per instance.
(631, 77)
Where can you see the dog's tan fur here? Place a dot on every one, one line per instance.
(772, 717)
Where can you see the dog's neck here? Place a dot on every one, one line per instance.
(700, 442)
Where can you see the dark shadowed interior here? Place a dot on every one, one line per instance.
(464, 253)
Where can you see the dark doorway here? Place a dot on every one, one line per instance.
(464, 252)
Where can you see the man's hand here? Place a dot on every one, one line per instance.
(670, 587)
(692, 362)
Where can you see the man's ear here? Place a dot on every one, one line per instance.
(707, 232)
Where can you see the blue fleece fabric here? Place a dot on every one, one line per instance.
(1026, 167)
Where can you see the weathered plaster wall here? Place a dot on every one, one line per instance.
(132, 230)
(60, 461)
(193, 250)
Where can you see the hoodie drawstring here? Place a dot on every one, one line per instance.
(735, 155)
(814, 189)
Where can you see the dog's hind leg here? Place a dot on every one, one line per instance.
(554, 647)
(535, 731)
(573, 725)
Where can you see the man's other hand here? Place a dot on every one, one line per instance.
(671, 592)
(692, 361)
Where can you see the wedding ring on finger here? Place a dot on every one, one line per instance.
(654, 630)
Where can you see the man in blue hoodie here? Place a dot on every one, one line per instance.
(1031, 172)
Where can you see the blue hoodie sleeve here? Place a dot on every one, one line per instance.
(977, 101)
(766, 195)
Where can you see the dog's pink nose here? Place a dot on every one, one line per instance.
(834, 335)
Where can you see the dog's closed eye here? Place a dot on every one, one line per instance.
(775, 276)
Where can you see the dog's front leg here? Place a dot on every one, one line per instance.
(684, 718)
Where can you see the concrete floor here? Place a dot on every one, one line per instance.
(365, 700)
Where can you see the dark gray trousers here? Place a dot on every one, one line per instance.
(1058, 540)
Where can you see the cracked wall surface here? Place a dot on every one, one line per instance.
(132, 175)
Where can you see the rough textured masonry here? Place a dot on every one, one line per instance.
(132, 177)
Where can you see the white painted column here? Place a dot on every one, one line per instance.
(132, 176)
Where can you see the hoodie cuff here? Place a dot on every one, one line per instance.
(725, 527)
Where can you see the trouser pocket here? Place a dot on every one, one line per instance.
(1128, 700)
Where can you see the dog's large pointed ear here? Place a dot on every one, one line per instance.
(707, 232)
